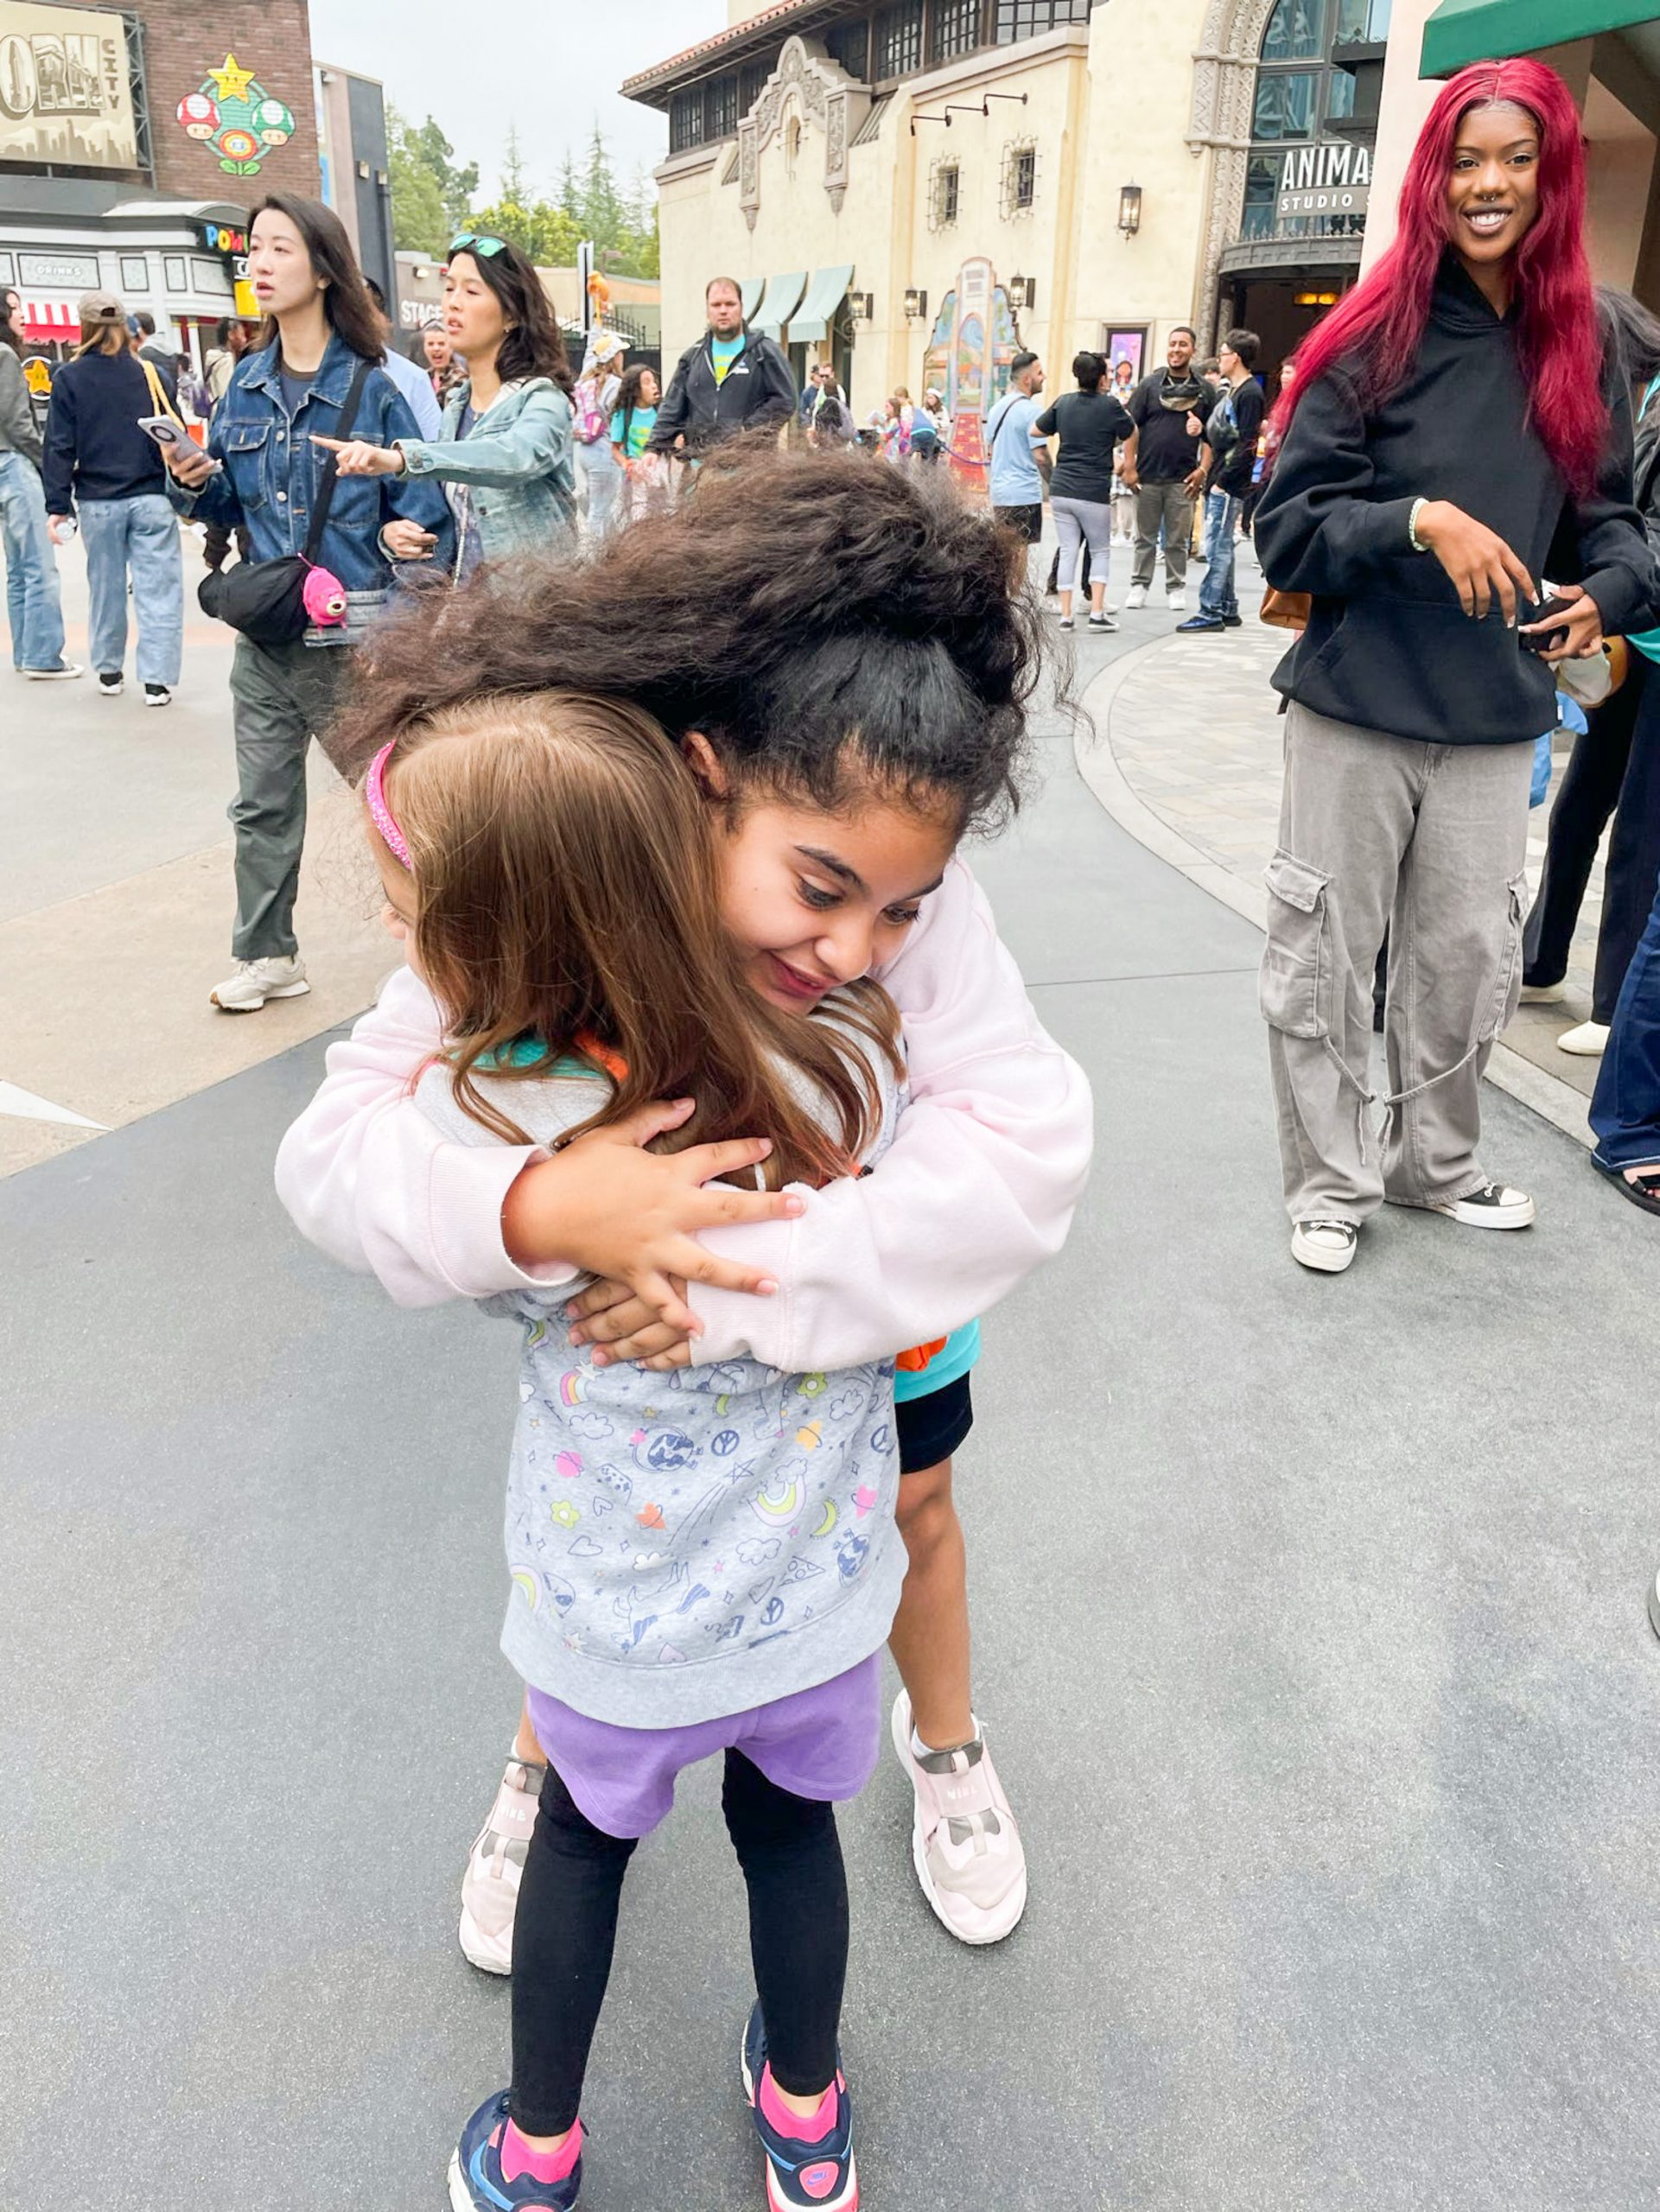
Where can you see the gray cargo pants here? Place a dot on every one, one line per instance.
(282, 696)
(1165, 506)
(1432, 840)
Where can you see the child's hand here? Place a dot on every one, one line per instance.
(622, 1325)
(629, 1216)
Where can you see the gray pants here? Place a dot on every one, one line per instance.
(1430, 840)
(1166, 507)
(1077, 521)
(282, 696)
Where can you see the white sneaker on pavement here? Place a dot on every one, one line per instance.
(61, 674)
(111, 684)
(1137, 599)
(1587, 1042)
(964, 1844)
(1327, 1247)
(1177, 601)
(494, 1866)
(1495, 1205)
(256, 980)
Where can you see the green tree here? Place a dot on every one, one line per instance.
(544, 232)
(430, 194)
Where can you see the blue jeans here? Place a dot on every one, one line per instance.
(34, 602)
(1626, 1109)
(1215, 595)
(140, 535)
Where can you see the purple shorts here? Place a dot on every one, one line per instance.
(822, 1743)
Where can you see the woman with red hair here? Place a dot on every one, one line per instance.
(1458, 432)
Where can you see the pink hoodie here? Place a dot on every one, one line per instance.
(979, 1186)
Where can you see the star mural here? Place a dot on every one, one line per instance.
(232, 112)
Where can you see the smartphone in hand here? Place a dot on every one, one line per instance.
(1546, 641)
(167, 433)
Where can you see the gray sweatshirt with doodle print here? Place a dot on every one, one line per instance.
(686, 1546)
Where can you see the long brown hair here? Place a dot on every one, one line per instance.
(351, 312)
(534, 345)
(568, 892)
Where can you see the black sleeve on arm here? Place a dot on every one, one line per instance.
(672, 409)
(1318, 528)
(1047, 423)
(1248, 408)
(1122, 422)
(1605, 535)
(777, 380)
(58, 461)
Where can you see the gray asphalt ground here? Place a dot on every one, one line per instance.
(1310, 1639)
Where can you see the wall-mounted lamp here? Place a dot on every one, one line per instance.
(1022, 293)
(915, 119)
(860, 306)
(1019, 97)
(1130, 210)
(916, 303)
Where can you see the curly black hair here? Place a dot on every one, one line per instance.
(821, 621)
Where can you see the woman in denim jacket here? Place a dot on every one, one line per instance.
(506, 454)
(321, 324)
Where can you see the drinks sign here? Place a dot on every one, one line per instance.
(1326, 180)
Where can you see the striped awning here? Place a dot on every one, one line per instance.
(780, 301)
(811, 324)
(44, 320)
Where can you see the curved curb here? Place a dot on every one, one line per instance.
(1553, 1101)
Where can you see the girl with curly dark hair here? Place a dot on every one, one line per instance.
(903, 675)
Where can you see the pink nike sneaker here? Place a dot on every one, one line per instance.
(964, 1844)
(490, 1886)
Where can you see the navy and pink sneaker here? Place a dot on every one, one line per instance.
(494, 2171)
(809, 2162)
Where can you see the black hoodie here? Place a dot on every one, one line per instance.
(758, 388)
(1389, 647)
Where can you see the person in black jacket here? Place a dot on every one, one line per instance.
(732, 379)
(1458, 434)
(99, 460)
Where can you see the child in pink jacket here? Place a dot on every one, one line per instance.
(700, 618)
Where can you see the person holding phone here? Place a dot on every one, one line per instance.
(505, 453)
(1460, 420)
(320, 332)
(99, 460)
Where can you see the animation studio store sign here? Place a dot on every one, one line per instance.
(1326, 180)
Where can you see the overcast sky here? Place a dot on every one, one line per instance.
(550, 69)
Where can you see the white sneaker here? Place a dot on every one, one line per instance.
(1325, 1246)
(61, 674)
(1495, 1205)
(1544, 994)
(494, 1867)
(1137, 599)
(158, 694)
(1587, 1042)
(256, 980)
(1177, 602)
(964, 1844)
(111, 684)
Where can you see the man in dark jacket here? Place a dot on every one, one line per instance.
(732, 379)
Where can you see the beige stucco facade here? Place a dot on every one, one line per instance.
(1103, 105)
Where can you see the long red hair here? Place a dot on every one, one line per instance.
(1380, 324)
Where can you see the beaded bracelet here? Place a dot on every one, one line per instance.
(1418, 545)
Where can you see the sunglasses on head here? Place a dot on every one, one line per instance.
(472, 242)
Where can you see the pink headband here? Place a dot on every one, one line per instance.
(375, 791)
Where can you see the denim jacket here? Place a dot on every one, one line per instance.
(271, 471)
(514, 466)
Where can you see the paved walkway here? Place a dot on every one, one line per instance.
(1309, 1631)
(1194, 731)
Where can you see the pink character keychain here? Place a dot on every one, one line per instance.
(325, 598)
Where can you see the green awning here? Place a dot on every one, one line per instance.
(1462, 31)
(749, 291)
(780, 301)
(811, 324)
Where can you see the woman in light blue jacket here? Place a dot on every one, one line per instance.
(505, 457)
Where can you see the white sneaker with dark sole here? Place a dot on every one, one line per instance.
(1495, 1205)
(256, 980)
(1325, 1246)
(965, 1845)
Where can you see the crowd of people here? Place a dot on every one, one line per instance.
(705, 1066)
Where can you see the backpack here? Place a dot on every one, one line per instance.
(592, 423)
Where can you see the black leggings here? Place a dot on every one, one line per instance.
(566, 1928)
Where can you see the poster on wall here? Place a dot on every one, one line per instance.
(234, 116)
(1124, 344)
(66, 97)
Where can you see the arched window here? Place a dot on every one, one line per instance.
(1301, 99)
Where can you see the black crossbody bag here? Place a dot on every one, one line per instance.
(266, 599)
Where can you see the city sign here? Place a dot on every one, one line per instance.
(1326, 180)
(66, 97)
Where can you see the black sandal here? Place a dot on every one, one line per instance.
(1644, 1191)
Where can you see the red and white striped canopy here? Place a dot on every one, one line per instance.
(47, 318)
